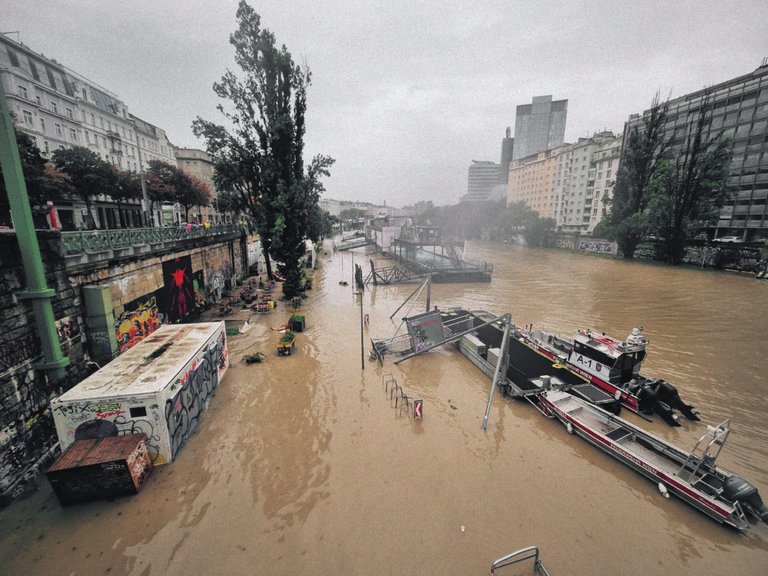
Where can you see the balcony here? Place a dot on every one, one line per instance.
(112, 135)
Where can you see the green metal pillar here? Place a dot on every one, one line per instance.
(37, 291)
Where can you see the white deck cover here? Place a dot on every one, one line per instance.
(136, 372)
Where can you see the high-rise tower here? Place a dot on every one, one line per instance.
(539, 126)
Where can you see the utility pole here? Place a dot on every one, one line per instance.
(37, 291)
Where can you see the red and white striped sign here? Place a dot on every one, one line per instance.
(418, 408)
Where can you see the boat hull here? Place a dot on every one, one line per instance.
(719, 511)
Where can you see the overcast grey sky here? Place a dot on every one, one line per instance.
(405, 94)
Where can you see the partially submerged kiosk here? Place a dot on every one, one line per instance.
(159, 388)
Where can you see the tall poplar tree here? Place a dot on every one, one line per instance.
(260, 159)
(690, 188)
(645, 149)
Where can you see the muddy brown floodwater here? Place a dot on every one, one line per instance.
(302, 466)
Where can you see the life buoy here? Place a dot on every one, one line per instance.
(569, 427)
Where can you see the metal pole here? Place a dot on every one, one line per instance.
(507, 319)
(429, 290)
(37, 290)
(362, 345)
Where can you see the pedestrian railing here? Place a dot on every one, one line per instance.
(100, 240)
(531, 552)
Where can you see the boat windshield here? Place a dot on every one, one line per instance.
(627, 366)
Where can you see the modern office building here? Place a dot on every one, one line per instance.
(539, 126)
(58, 108)
(482, 177)
(737, 110)
(507, 150)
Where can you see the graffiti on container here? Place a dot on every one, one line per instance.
(96, 422)
(140, 318)
(87, 408)
(18, 351)
(566, 243)
(109, 414)
(196, 387)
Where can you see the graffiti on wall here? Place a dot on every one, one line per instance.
(178, 287)
(140, 318)
(196, 387)
(597, 246)
(217, 280)
(19, 350)
(198, 283)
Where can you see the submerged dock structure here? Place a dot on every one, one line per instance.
(419, 252)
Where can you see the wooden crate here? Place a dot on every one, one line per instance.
(101, 468)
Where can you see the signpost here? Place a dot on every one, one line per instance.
(418, 409)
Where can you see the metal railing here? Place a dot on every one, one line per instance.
(520, 556)
(100, 240)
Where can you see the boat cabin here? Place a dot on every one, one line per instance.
(612, 360)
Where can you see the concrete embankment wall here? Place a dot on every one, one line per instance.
(100, 309)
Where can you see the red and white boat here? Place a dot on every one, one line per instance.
(609, 364)
(691, 476)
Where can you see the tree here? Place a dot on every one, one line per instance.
(43, 182)
(201, 193)
(689, 190)
(89, 175)
(125, 186)
(645, 149)
(261, 159)
(161, 182)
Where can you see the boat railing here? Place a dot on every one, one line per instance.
(531, 552)
(716, 436)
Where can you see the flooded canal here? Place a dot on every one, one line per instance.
(301, 465)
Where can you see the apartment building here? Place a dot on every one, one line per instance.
(532, 181)
(58, 108)
(586, 173)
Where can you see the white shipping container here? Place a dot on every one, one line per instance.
(474, 343)
(159, 388)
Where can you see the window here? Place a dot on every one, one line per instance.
(93, 120)
(42, 125)
(58, 129)
(47, 147)
(28, 118)
(39, 100)
(72, 135)
(85, 97)
(69, 113)
(101, 121)
(23, 92)
(55, 107)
